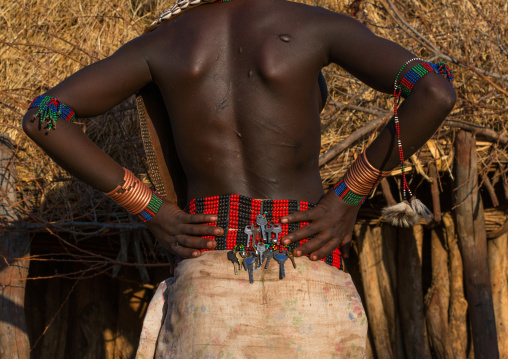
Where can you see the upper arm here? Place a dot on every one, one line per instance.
(104, 84)
(372, 59)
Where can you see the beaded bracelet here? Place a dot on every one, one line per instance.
(359, 181)
(417, 72)
(151, 208)
(50, 110)
(136, 197)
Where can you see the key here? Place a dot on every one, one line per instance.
(261, 251)
(261, 221)
(249, 262)
(248, 232)
(276, 229)
(240, 258)
(255, 232)
(291, 256)
(269, 231)
(232, 257)
(281, 257)
(268, 256)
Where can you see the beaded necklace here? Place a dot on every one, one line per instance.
(178, 8)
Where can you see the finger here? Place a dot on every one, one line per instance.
(199, 218)
(325, 250)
(172, 246)
(303, 216)
(201, 230)
(195, 242)
(346, 245)
(312, 245)
(184, 252)
(302, 233)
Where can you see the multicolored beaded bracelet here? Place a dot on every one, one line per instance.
(347, 195)
(50, 110)
(151, 208)
(417, 72)
(359, 181)
(136, 197)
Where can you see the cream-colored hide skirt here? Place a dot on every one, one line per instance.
(206, 311)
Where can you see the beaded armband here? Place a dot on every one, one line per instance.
(50, 110)
(359, 181)
(417, 72)
(136, 197)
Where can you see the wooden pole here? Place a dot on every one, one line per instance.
(498, 263)
(457, 320)
(436, 204)
(410, 293)
(13, 332)
(437, 299)
(368, 244)
(473, 246)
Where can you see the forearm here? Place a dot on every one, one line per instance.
(75, 152)
(420, 115)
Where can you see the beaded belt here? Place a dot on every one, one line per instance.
(235, 212)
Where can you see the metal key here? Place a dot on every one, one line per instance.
(249, 262)
(261, 252)
(262, 222)
(240, 258)
(268, 256)
(269, 231)
(232, 257)
(276, 229)
(281, 257)
(248, 231)
(255, 232)
(291, 256)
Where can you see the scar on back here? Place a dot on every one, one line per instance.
(285, 37)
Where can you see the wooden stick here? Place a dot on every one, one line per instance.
(437, 299)
(378, 324)
(457, 320)
(388, 259)
(491, 191)
(355, 136)
(473, 245)
(13, 331)
(387, 193)
(411, 295)
(434, 187)
(498, 265)
(489, 133)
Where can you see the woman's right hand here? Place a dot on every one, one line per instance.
(181, 233)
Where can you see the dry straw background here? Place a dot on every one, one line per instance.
(42, 42)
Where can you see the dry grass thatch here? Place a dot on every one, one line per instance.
(42, 42)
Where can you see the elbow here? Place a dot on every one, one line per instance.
(442, 94)
(30, 125)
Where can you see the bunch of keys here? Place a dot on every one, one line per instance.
(261, 248)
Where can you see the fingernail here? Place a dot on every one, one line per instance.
(284, 220)
(210, 244)
(298, 253)
(195, 254)
(217, 232)
(314, 258)
(213, 218)
(287, 241)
